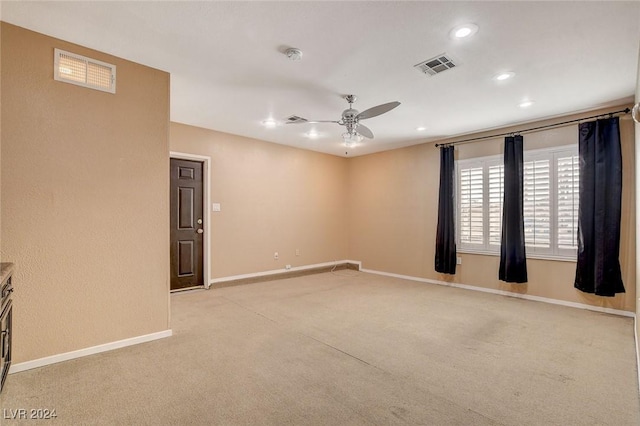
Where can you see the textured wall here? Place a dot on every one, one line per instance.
(394, 208)
(637, 189)
(0, 133)
(85, 189)
(273, 198)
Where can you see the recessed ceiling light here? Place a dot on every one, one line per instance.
(312, 134)
(269, 123)
(464, 31)
(525, 104)
(504, 76)
(421, 129)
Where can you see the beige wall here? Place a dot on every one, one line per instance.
(637, 189)
(273, 199)
(393, 216)
(85, 188)
(0, 134)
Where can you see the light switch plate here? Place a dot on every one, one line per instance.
(216, 207)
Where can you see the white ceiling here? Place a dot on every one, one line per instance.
(229, 73)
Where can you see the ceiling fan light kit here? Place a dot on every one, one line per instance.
(350, 139)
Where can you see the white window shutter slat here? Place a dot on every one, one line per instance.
(567, 202)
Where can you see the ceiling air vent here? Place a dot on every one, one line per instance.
(436, 65)
(82, 71)
(295, 119)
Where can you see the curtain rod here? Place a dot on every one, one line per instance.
(533, 129)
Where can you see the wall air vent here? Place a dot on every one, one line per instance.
(436, 65)
(295, 119)
(82, 71)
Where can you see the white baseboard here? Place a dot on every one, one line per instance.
(41, 362)
(508, 293)
(282, 271)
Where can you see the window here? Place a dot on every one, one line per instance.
(550, 179)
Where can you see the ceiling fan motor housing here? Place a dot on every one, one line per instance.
(349, 119)
(349, 114)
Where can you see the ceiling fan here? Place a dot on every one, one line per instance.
(351, 119)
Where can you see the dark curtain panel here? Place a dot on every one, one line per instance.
(513, 261)
(446, 233)
(598, 267)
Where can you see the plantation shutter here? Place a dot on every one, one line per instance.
(496, 191)
(567, 203)
(537, 211)
(471, 206)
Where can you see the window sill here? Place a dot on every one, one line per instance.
(529, 256)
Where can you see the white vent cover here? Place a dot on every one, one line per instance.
(295, 119)
(436, 64)
(86, 72)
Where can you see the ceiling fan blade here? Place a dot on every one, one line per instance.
(322, 121)
(377, 110)
(364, 131)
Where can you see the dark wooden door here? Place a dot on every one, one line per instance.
(186, 224)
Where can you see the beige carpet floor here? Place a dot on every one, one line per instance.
(351, 348)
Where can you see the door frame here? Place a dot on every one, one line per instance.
(206, 213)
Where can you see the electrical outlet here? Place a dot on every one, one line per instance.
(276, 256)
(297, 252)
(458, 261)
(287, 267)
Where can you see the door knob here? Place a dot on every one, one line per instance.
(199, 231)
